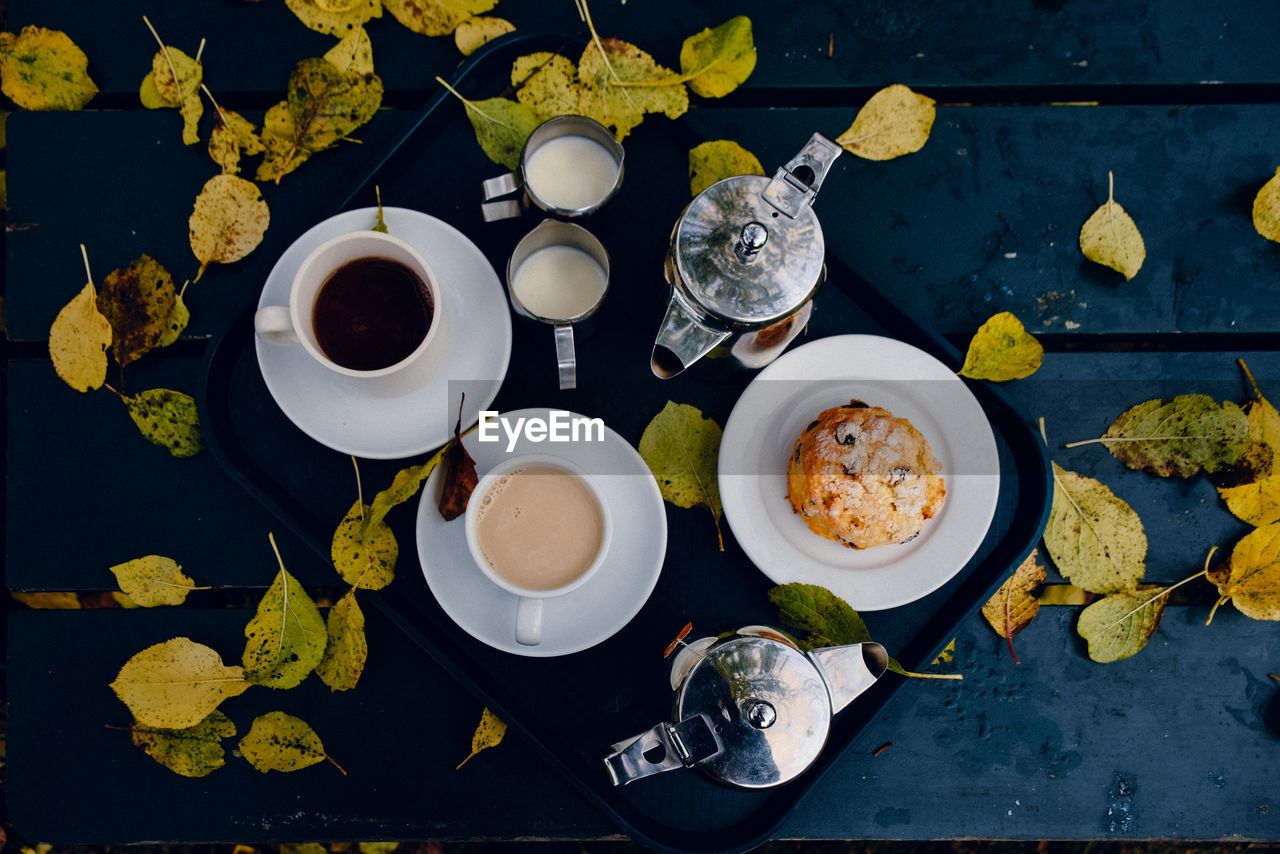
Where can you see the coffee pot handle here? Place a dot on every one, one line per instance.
(665, 747)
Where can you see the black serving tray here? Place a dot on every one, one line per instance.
(573, 707)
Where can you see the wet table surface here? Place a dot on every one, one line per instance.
(1037, 102)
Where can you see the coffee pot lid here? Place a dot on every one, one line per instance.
(749, 249)
(767, 704)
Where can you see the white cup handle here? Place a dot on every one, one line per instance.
(274, 324)
(529, 622)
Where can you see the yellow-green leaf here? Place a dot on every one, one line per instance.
(60, 601)
(475, 32)
(154, 580)
(719, 159)
(227, 222)
(1110, 237)
(1251, 578)
(345, 654)
(622, 107)
(1001, 350)
(828, 619)
(334, 17)
(717, 61)
(894, 122)
(436, 17)
(280, 742)
(167, 418)
(281, 153)
(1266, 209)
(547, 83)
(501, 127)
(78, 342)
(137, 301)
(176, 684)
(403, 487)
(182, 91)
(149, 95)
(682, 448)
(1015, 604)
(365, 556)
(286, 638)
(179, 317)
(44, 70)
(1252, 489)
(192, 752)
(1179, 436)
(354, 52)
(489, 733)
(233, 137)
(1119, 625)
(1095, 539)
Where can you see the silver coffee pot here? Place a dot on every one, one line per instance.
(744, 263)
(751, 709)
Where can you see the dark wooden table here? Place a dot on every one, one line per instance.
(1179, 741)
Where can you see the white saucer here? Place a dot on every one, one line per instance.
(592, 613)
(474, 346)
(777, 406)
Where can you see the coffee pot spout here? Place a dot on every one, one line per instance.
(682, 340)
(849, 670)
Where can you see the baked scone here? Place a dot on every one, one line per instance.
(862, 477)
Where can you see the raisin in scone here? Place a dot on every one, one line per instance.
(862, 477)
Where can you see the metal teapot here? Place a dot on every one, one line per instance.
(751, 709)
(745, 260)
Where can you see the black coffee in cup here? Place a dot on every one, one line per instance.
(371, 313)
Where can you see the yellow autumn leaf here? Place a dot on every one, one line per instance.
(154, 580)
(280, 742)
(1251, 578)
(176, 684)
(489, 733)
(717, 61)
(44, 70)
(547, 84)
(1266, 209)
(364, 552)
(174, 81)
(347, 649)
(60, 601)
(475, 32)
(233, 137)
(1001, 350)
(1015, 604)
(334, 17)
(78, 341)
(436, 17)
(718, 159)
(1111, 238)
(620, 84)
(1096, 540)
(1253, 495)
(894, 122)
(167, 418)
(192, 752)
(228, 221)
(354, 52)
(681, 446)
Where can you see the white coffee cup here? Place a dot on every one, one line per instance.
(529, 611)
(291, 325)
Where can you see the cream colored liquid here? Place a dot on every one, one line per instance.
(559, 282)
(539, 527)
(571, 172)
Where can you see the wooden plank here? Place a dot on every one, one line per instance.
(1174, 743)
(1100, 43)
(984, 218)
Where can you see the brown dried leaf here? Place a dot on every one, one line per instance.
(1015, 604)
(138, 301)
(460, 476)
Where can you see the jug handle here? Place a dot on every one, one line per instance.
(501, 186)
(681, 745)
(797, 183)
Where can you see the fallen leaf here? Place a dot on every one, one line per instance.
(1251, 578)
(460, 476)
(154, 580)
(718, 159)
(474, 33)
(894, 122)
(354, 52)
(167, 418)
(380, 225)
(78, 342)
(345, 654)
(179, 317)
(717, 61)
(1002, 350)
(1015, 604)
(489, 733)
(547, 83)
(1266, 209)
(682, 448)
(286, 638)
(161, 89)
(1179, 436)
(1252, 487)
(192, 752)
(1119, 625)
(606, 65)
(281, 154)
(48, 601)
(335, 17)
(436, 17)
(501, 126)
(280, 742)
(137, 301)
(825, 616)
(377, 847)
(1096, 540)
(176, 684)
(1064, 594)
(303, 848)
(228, 221)
(232, 138)
(364, 555)
(1111, 238)
(403, 487)
(44, 70)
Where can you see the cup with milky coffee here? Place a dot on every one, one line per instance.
(538, 527)
(365, 305)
